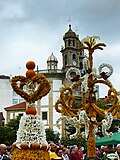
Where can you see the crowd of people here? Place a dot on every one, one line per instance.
(79, 153)
(70, 153)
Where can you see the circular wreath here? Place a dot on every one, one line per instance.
(70, 71)
(18, 82)
(103, 65)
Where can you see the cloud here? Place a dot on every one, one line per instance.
(34, 29)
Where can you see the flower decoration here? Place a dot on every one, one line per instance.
(30, 154)
(91, 43)
(31, 129)
(87, 114)
(106, 124)
(71, 71)
(31, 141)
(103, 74)
(65, 102)
(40, 81)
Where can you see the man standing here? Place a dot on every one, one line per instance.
(76, 155)
(3, 152)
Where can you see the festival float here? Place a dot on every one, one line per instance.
(31, 141)
(87, 115)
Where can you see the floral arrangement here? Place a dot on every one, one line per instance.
(40, 85)
(30, 154)
(31, 129)
(31, 141)
(87, 80)
(65, 102)
(106, 124)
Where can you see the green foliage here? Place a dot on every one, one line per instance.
(79, 141)
(2, 134)
(70, 129)
(14, 123)
(52, 136)
(8, 133)
(115, 125)
(77, 105)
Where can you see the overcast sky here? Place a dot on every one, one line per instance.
(33, 29)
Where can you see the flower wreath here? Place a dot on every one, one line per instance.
(70, 71)
(108, 66)
(40, 80)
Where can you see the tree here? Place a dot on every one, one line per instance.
(52, 136)
(8, 133)
(79, 141)
(2, 134)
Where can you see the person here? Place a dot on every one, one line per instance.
(104, 152)
(9, 151)
(53, 147)
(59, 152)
(65, 154)
(53, 156)
(97, 154)
(3, 152)
(118, 151)
(75, 154)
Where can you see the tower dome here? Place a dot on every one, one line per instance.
(52, 62)
(70, 33)
(52, 58)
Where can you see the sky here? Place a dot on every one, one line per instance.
(32, 30)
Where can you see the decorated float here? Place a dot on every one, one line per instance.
(31, 141)
(87, 115)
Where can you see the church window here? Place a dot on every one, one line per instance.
(65, 59)
(69, 42)
(73, 56)
(73, 42)
(65, 43)
(48, 65)
(44, 115)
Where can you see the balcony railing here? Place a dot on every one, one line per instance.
(49, 71)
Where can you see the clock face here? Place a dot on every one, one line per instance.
(74, 63)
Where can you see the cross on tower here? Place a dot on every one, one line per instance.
(69, 19)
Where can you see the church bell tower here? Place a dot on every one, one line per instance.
(71, 54)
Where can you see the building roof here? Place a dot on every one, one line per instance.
(52, 58)
(4, 77)
(20, 106)
(70, 34)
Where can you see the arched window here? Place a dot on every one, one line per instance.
(65, 59)
(69, 42)
(73, 42)
(65, 43)
(73, 56)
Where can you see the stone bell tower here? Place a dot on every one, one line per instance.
(71, 54)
